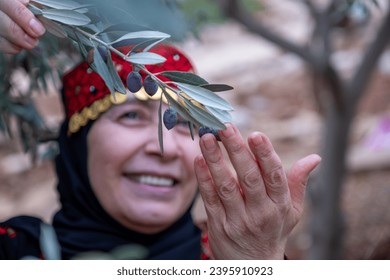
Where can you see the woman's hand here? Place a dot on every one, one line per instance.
(19, 28)
(251, 213)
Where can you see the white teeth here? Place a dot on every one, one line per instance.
(157, 181)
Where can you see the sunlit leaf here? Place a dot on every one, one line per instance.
(142, 34)
(204, 117)
(146, 58)
(223, 116)
(205, 96)
(217, 87)
(184, 77)
(66, 17)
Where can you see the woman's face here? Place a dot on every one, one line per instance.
(141, 188)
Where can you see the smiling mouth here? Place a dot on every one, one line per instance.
(153, 180)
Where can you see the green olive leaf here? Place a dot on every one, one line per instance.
(118, 84)
(180, 109)
(146, 58)
(217, 87)
(191, 128)
(142, 34)
(62, 5)
(102, 70)
(184, 77)
(66, 17)
(160, 128)
(223, 116)
(204, 117)
(53, 27)
(205, 96)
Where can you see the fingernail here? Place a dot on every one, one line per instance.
(209, 142)
(229, 131)
(257, 139)
(30, 41)
(37, 27)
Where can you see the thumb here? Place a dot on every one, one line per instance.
(298, 177)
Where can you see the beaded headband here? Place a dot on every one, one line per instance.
(86, 96)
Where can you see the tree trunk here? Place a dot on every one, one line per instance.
(327, 223)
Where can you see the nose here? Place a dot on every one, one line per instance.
(170, 147)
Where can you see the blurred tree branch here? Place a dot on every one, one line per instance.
(338, 99)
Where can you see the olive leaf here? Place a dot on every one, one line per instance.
(66, 17)
(53, 27)
(102, 70)
(146, 58)
(205, 96)
(160, 129)
(196, 100)
(217, 87)
(118, 84)
(179, 108)
(184, 77)
(204, 117)
(64, 4)
(191, 128)
(142, 34)
(223, 116)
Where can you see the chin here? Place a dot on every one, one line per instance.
(150, 220)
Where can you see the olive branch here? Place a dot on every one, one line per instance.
(194, 98)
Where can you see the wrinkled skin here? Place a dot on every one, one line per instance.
(251, 215)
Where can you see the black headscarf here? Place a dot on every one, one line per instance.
(82, 224)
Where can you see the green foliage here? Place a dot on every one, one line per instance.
(97, 33)
(202, 12)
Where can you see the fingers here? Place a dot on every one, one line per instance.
(211, 200)
(224, 182)
(271, 168)
(298, 177)
(23, 17)
(8, 47)
(18, 26)
(245, 164)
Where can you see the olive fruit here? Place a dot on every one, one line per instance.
(134, 81)
(204, 129)
(170, 118)
(150, 85)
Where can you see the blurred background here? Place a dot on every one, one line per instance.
(313, 75)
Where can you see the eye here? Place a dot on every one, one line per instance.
(133, 115)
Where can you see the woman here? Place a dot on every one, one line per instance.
(117, 188)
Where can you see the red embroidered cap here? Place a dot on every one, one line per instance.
(86, 95)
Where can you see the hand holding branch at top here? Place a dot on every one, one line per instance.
(19, 28)
(251, 215)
